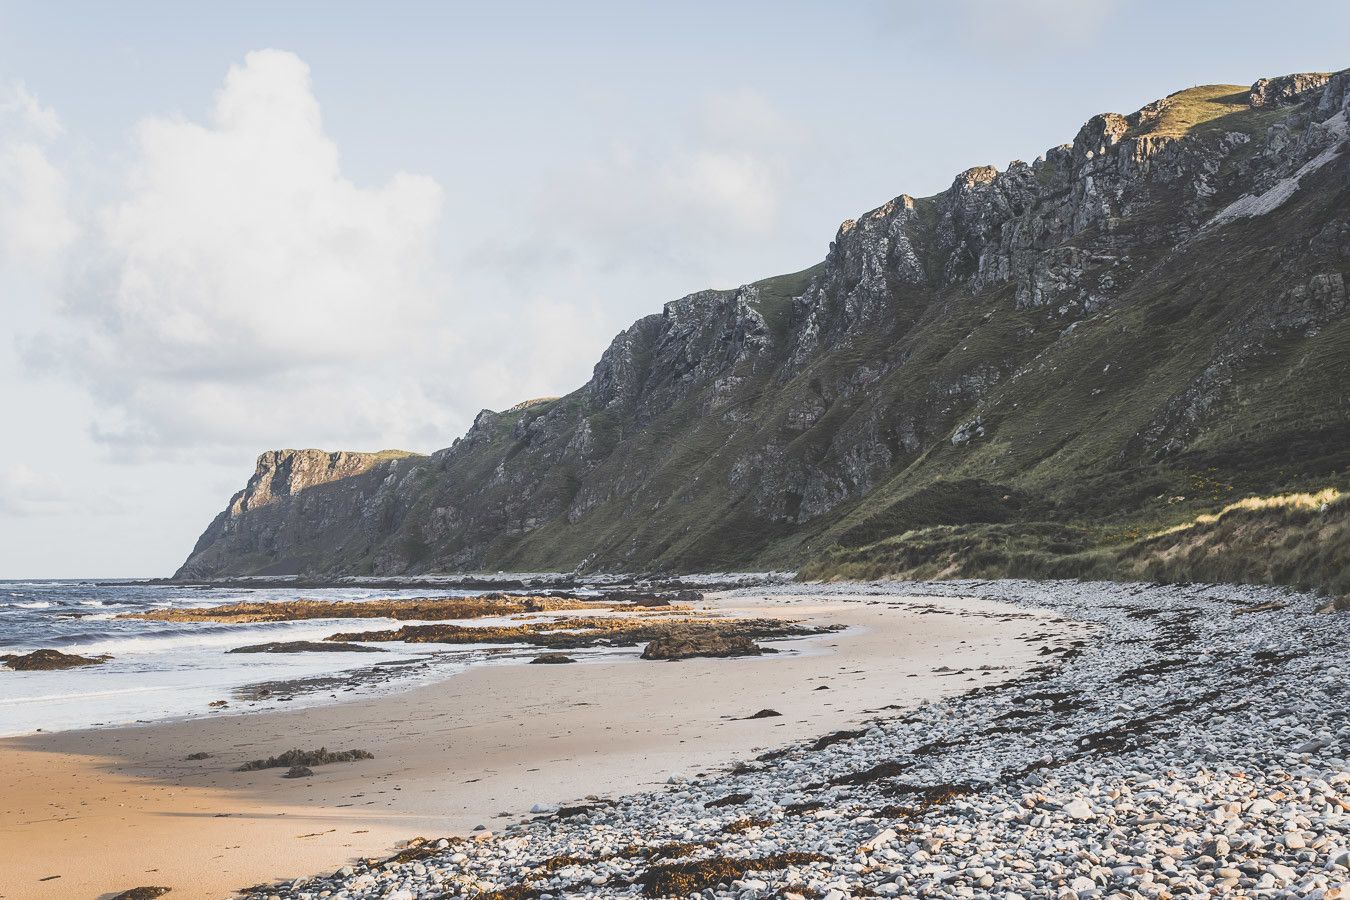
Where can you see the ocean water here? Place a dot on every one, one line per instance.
(169, 670)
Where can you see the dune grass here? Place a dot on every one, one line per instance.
(1299, 539)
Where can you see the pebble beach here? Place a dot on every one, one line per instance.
(1178, 741)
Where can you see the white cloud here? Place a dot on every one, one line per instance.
(612, 239)
(17, 103)
(667, 200)
(27, 492)
(746, 117)
(670, 204)
(35, 222)
(243, 292)
(238, 291)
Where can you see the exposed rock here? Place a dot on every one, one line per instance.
(688, 643)
(551, 659)
(305, 647)
(427, 609)
(968, 431)
(298, 772)
(1286, 88)
(50, 660)
(577, 633)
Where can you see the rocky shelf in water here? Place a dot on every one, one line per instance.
(674, 638)
(50, 660)
(306, 647)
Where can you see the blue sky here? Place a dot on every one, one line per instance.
(230, 227)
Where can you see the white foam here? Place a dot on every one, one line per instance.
(165, 670)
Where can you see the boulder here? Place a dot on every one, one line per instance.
(551, 659)
(687, 643)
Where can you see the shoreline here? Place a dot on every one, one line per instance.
(1187, 740)
(558, 582)
(110, 809)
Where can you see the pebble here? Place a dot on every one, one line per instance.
(1079, 809)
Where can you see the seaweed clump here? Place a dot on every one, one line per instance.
(683, 879)
(293, 758)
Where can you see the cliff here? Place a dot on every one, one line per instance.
(296, 499)
(1137, 325)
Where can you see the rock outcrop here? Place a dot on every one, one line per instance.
(1156, 305)
(294, 497)
(49, 661)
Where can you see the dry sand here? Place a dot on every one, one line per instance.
(90, 813)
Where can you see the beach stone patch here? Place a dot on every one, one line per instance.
(1228, 776)
(299, 772)
(50, 660)
(201, 754)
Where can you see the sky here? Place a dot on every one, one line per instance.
(226, 228)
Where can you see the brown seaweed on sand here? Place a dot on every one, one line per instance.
(293, 758)
(685, 878)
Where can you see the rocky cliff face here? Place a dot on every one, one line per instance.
(1161, 300)
(293, 496)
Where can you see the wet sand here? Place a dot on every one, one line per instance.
(108, 809)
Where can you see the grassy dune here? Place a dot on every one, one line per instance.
(1298, 539)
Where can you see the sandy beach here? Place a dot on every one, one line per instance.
(90, 813)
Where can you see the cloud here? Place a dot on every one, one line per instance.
(26, 492)
(240, 290)
(666, 201)
(610, 240)
(36, 225)
(17, 103)
(235, 290)
(671, 204)
(747, 118)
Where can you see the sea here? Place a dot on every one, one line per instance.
(176, 670)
